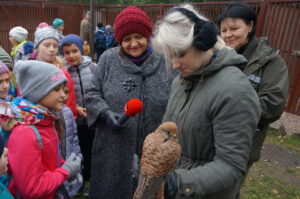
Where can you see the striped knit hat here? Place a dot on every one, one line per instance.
(5, 58)
(57, 22)
(44, 33)
(3, 68)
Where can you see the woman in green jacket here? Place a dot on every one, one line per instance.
(213, 104)
(265, 69)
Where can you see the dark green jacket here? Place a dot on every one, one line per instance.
(216, 111)
(268, 75)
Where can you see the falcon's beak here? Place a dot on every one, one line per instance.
(174, 135)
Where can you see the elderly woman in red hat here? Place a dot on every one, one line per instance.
(129, 71)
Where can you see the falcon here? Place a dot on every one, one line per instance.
(161, 152)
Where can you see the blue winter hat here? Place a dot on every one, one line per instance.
(1, 144)
(57, 22)
(75, 39)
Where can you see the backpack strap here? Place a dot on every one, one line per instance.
(38, 136)
(40, 143)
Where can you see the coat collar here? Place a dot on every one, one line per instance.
(259, 50)
(224, 57)
(147, 68)
(85, 62)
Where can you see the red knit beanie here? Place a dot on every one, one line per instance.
(132, 20)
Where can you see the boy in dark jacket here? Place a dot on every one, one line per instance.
(80, 68)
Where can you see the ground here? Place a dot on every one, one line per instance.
(277, 174)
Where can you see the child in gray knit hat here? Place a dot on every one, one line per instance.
(44, 33)
(39, 174)
(47, 46)
(21, 49)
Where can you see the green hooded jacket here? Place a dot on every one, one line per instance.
(216, 111)
(268, 74)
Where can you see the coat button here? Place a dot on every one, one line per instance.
(188, 190)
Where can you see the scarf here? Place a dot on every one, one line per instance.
(142, 58)
(15, 50)
(26, 112)
(8, 98)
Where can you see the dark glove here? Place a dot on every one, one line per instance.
(111, 119)
(170, 183)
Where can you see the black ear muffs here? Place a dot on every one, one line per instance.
(205, 33)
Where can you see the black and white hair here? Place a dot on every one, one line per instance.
(174, 34)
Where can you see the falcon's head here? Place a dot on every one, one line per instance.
(168, 130)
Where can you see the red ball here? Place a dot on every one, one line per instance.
(133, 107)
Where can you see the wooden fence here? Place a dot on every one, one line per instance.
(277, 19)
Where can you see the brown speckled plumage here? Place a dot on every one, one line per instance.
(161, 151)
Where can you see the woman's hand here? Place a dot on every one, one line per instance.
(7, 123)
(170, 184)
(111, 119)
(3, 161)
(81, 111)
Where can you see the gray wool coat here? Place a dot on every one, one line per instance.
(115, 81)
(216, 111)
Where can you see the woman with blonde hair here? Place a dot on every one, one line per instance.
(212, 103)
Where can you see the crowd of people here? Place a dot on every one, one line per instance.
(60, 111)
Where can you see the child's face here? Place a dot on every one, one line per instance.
(3, 162)
(4, 84)
(72, 54)
(60, 28)
(47, 50)
(55, 98)
(13, 41)
(66, 90)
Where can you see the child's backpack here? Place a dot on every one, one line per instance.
(100, 39)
